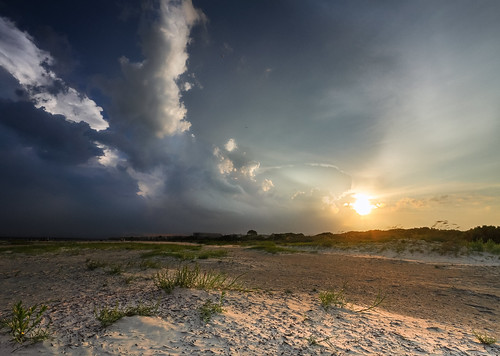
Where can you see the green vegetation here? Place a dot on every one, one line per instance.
(379, 299)
(186, 277)
(185, 252)
(313, 341)
(38, 247)
(114, 269)
(271, 247)
(181, 251)
(107, 316)
(209, 308)
(444, 241)
(25, 324)
(338, 299)
(484, 338)
(150, 264)
(331, 297)
(94, 264)
(481, 246)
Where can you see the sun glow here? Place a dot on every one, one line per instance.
(362, 205)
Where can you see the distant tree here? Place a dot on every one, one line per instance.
(484, 233)
(252, 233)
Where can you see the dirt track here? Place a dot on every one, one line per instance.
(467, 296)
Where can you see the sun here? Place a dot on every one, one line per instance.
(362, 204)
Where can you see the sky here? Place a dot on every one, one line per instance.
(128, 117)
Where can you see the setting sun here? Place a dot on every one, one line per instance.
(362, 205)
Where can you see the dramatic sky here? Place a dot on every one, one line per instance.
(151, 117)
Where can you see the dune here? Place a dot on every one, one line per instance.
(284, 317)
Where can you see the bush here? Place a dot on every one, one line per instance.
(484, 233)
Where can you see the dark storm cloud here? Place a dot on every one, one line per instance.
(228, 115)
(48, 185)
(50, 137)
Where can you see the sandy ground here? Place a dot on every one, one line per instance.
(433, 304)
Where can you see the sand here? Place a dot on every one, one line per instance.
(432, 307)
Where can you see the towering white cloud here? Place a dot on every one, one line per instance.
(30, 66)
(149, 95)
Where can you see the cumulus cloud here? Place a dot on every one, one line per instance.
(235, 163)
(31, 67)
(267, 185)
(409, 203)
(230, 145)
(150, 184)
(292, 189)
(111, 157)
(149, 95)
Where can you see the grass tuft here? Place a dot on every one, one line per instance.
(484, 338)
(150, 264)
(185, 252)
(186, 277)
(115, 269)
(313, 341)
(209, 308)
(271, 247)
(94, 264)
(333, 298)
(107, 316)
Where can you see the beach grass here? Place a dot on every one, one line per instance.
(107, 316)
(26, 323)
(150, 264)
(94, 264)
(210, 308)
(336, 298)
(272, 247)
(442, 241)
(484, 338)
(179, 251)
(193, 277)
(188, 254)
(423, 239)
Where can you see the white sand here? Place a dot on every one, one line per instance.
(260, 323)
